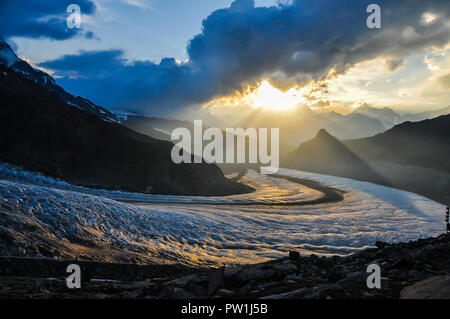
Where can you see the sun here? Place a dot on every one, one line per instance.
(263, 96)
(268, 97)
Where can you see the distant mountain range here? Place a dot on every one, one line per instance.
(355, 125)
(424, 143)
(302, 124)
(162, 128)
(295, 127)
(45, 129)
(425, 115)
(333, 127)
(390, 118)
(385, 115)
(155, 127)
(413, 155)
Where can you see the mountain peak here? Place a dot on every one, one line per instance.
(366, 107)
(7, 55)
(323, 134)
(385, 115)
(322, 146)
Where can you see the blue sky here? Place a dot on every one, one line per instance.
(159, 57)
(164, 26)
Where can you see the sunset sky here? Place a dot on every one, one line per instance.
(159, 57)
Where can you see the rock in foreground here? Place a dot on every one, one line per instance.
(432, 288)
(408, 270)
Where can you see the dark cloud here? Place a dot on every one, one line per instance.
(87, 64)
(240, 45)
(106, 78)
(36, 19)
(394, 64)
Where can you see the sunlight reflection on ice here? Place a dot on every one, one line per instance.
(204, 230)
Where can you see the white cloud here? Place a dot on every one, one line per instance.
(138, 3)
(430, 63)
(429, 17)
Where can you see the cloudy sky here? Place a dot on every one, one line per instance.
(166, 56)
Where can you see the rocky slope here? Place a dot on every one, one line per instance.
(328, 155)
(423, 143)
(9, 59)
(410, 156)
(408, 270)
(41, 132)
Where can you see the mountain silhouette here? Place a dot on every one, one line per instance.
(414, 156)
(41, 132)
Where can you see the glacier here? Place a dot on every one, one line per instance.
(44, 216)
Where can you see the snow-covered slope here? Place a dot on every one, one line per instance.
(7, 56)
(55, 221)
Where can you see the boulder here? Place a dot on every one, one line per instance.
(285, 268)
(357, 278)
(402, 262)
(177, 293)
(437, 287)
(294, 255)
(215, 280)
(294, 294)
(225, 293)
(254, 273)
(381, 244)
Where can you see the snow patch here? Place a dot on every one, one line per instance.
(8, 58)
(73, 104)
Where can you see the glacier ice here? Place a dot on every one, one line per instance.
(244, 228)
